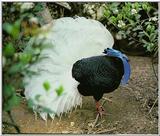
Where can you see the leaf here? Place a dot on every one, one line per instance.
(46, 85)
(17, 67)
(113, 19)
(136, 5)
(134, 34)
(139, 27)
(8, 90)
(115, 5)
(152, 28)
(119, 17)
(149, 48)
(107, 13)
(148, 8)
(146, 34)
(15, 100)
(60, 90)
(16, 29)
(131, 42)
(148, 28)
(7, 27)
(9, 50)
(152, 37)
(147, 23)
(25, 57)
(12, 29)
(144, 6)
(38, 7)
(138, 16)
(144, 41)
(30, 103)
(12, 102)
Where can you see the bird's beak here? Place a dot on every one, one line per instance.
(105, 52)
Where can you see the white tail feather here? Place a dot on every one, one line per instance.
(70, 40)
(52, 115)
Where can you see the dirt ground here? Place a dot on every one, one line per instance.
(131, 110)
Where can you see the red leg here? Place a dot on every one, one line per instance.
(100, 109)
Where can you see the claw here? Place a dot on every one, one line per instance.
(100, 109)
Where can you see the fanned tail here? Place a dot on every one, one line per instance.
(70, 40)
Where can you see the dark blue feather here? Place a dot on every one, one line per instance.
(124, 58)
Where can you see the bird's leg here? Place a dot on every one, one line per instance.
(100, 109)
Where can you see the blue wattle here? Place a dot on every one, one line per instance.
(124, 58)
(127, 71)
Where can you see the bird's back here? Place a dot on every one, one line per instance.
(99, 74)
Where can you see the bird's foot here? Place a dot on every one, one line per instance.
(100, 109)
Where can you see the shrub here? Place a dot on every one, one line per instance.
(16, 33)
(136, 22)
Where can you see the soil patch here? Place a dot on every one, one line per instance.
(127, 114)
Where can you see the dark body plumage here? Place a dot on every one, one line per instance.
(98, 75)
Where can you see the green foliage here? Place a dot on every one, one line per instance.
(30, 103)
(25, 57)
(46, 85)
(16, 61)
(60, 90)
(136, 21)
(15, 68)
(10, 96)
(38, 7)
(12, 29)
(17, 56)
(9, 50)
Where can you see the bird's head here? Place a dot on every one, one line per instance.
(113, 52)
